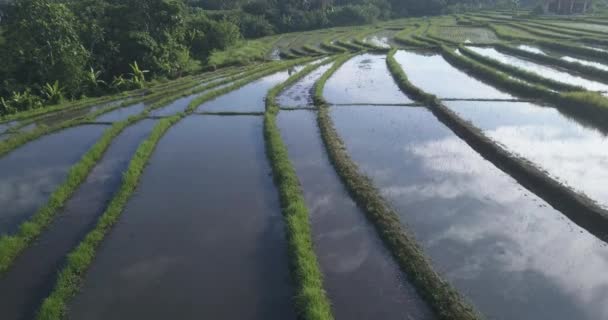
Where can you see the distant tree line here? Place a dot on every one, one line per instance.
(52, 49)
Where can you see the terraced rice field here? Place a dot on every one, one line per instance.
(413, 169)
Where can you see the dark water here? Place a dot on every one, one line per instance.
(59, 117)
(249, 98)
(7, 125)
(121, 114)
(542, 70)
(299, 94)
(181, 104)
(29, 174)
(504, 248)
(364, 79)
(571, 153)
(203, 236)
(33, 274)
(434, 75)
(362, 280)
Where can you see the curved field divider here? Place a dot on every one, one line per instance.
(579, 208)
(79, 260)
(591, 107)
(69, 278)
(520, 73)
(311, 299)
(583, 70)
(445, 301)
(12, 245)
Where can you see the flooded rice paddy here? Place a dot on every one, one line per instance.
(201, 254)
(299, 94)
(121, 114)
(249, 98)
(568, 58)
(361, 277)
(566, 150)
(431, 73)
(33, 274)
(542, 70)
(364, 79)
(27, 181)
(503, 247)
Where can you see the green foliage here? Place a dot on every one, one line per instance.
(311, 299)
(53, 92)
(138, 78)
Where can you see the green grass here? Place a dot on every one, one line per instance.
(79, 260)
(311, 299)
(404, 83)
(11, 246)
(243, 53)
(70, 277)
(442, 298)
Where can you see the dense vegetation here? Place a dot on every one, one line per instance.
(57, 49)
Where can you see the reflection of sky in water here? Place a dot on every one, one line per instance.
(575, 155)
(567, 58)
(250, 97)
(541, 70)
(434, 75)
(361, 277)
(30, 174)
(531, 49)
(364, 79)
(380, 41)
(597, 65)
(299, 95)
(503, 247)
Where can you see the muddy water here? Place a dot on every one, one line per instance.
(203, 236)
(364, 79)
(29, 174)
(362, 280)
(299, 94)
(434, 75)
(121, 114)
(33, 274)
(571, 153)
(541, 70)
(249, 98)
(510, 253)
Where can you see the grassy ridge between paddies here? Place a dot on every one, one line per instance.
(591, 107)
(160, 97)
(579, 68)
(79, 260)
(311, 299)
(12, 245)
(519, 72)
(19, 139)
(580, 209)
(441, 297)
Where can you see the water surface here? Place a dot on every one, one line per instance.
(249, 98)
(364, 79)
(503, 247)
(569, 152)
(30, 173)
(431, 73)
(545, 71)
(122, 114)
(181, 104)
(362, 280)
(203, 236)
(299, 95)
(33, 274)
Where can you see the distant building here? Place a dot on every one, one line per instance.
(566, 6)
